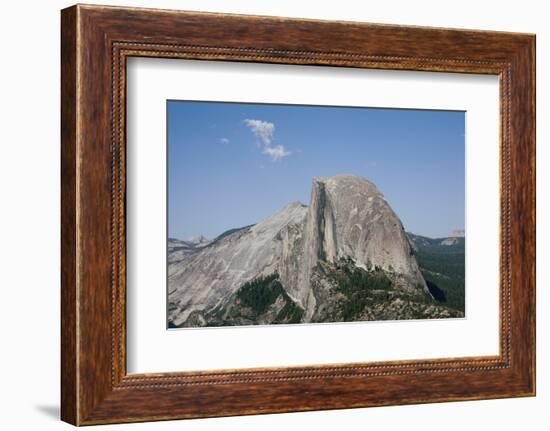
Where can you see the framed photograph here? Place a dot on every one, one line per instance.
(264, 215)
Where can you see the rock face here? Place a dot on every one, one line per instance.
(204, 279)
(348, 232)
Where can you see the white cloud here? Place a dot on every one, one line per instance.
(264, 131)
(224, 141)
(276, 153)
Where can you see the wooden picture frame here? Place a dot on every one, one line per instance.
(95, 43)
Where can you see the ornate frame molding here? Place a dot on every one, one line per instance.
(96, 41)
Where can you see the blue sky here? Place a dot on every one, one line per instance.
(234, 164)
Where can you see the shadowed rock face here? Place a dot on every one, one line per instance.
(347, 219)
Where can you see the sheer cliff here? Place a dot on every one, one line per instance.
(344, 257)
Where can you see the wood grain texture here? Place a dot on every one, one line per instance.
(96, 41)
(69, 397)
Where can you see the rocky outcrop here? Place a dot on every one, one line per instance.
(348, 220)
(205, 279)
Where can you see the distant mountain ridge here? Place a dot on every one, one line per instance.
(344, 257)
(178, 248)
(420, 240)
